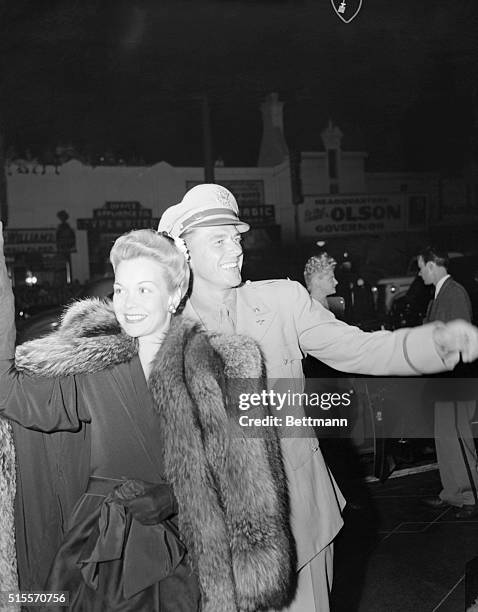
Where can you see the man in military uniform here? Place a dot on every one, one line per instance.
(282, 318)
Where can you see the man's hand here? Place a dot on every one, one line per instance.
(454, 339)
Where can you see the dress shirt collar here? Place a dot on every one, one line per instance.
(440, 284)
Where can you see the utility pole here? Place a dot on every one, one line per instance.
(207, 141)
(3, 180)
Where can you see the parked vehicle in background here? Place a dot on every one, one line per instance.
(358, 295)
(410, 309)
(45, 322)
(336, 304)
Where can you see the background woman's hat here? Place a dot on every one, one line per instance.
(205, 205)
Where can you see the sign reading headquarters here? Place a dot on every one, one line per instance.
(358, 214)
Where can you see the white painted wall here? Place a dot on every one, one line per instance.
(35, 199)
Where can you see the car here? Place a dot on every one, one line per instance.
(45, 322)
(410, 309)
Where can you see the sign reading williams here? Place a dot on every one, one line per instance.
(354, 214)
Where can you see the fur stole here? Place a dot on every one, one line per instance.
(8, 565)
(231, 489)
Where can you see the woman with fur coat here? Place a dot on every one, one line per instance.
(180, 510)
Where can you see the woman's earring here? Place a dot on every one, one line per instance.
(172, 308)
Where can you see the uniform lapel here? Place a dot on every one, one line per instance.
(254, 317)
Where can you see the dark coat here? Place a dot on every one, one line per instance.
(452, 302)
(231, 491)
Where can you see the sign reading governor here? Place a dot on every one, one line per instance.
(352, 214)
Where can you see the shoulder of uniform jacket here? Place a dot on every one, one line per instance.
(267, 282)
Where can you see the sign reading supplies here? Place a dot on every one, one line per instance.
(354, 214)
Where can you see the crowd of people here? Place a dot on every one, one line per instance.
(138, 488)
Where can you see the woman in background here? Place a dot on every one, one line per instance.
(338, 450)
(320, 278)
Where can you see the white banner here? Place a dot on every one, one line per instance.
(352, 214)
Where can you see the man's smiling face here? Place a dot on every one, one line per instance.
(216, 256)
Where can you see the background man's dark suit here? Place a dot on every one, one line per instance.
(452, 302)
(455, 405)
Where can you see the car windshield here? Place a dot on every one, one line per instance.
(412, 269)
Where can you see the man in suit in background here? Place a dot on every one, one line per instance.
(454, 404)
(286, 322)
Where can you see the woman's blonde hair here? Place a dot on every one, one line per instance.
(318, 264)
(157, 246)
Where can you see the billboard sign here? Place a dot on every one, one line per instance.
(357, 214)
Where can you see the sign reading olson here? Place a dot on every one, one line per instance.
(352, 214)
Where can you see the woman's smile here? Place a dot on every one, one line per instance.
(134, 318)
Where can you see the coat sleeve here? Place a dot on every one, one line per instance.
(347, 348)
(44, 404)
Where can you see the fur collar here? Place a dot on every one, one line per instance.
(88, 339)
(231, 489)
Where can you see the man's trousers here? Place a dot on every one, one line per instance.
(452, 422)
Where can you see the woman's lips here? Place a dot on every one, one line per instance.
(134, 318)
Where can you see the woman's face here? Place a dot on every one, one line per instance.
(141, 297)
(323, 284)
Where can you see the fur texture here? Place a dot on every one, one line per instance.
(231, 489)
(89, 339)
(8, 565)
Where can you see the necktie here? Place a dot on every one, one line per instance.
(429, 310)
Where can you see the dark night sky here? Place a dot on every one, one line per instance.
(400, 80)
